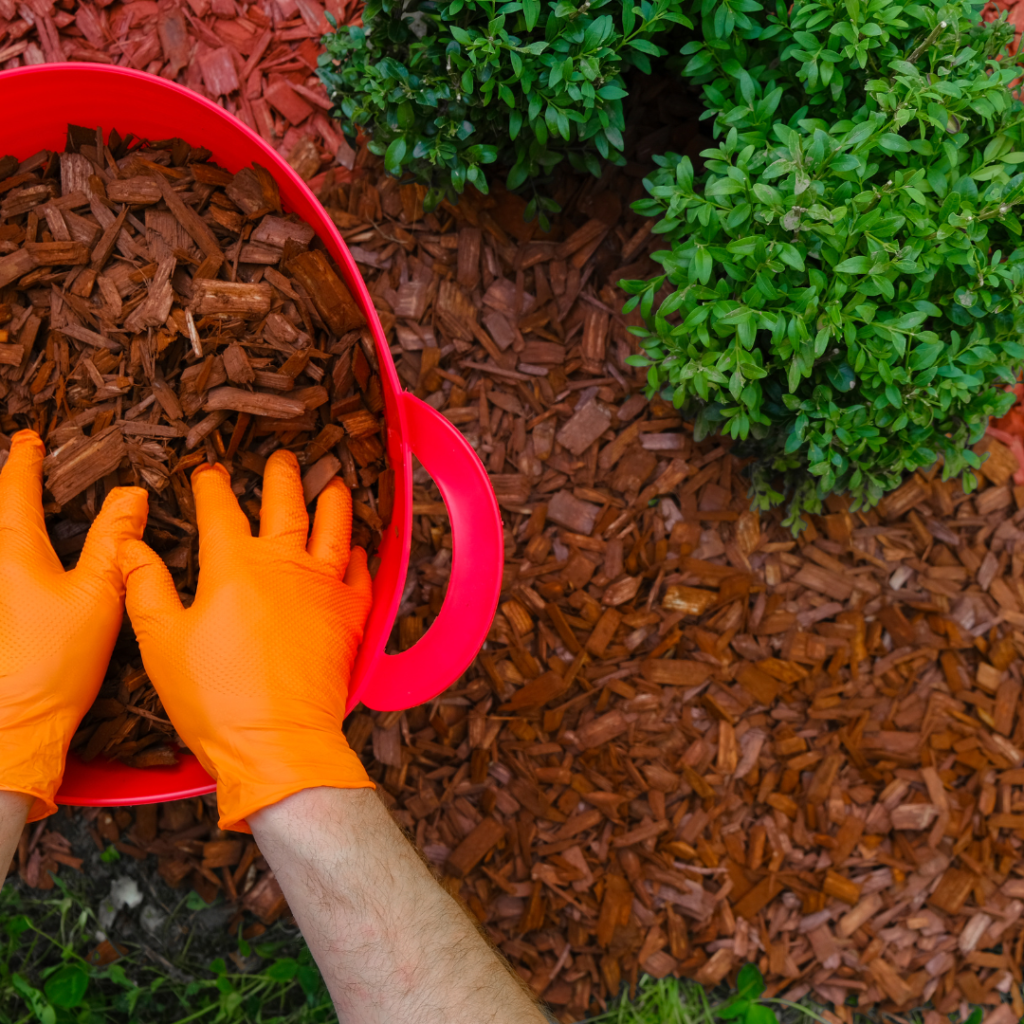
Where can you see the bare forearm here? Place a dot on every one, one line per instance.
(13, 812)
(390, 942)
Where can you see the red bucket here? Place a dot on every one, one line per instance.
(38, 105)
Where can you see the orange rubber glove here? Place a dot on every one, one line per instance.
(57, 628)
(254, 675)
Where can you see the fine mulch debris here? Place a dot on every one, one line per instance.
(691, 740)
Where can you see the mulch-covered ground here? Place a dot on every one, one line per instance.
(691, 740)
(256, 60)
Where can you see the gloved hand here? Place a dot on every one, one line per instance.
(57, 628)
(254, 675)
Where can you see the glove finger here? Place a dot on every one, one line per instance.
(21, 496)
(122, 518)
(150, 594)
(283, 515)
(358, 578)
(218, 514)
(332, 526)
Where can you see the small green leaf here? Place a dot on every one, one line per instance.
(893, 143)
(195, 902)
(44, 1012)
(735, 1009)
(282, 970)
(394, 156)
(17, 925)
(723, 187)
(760, 1014)
(645, 46)
(67, 987)
(309, 980)
(628, 17)
(854, 265)
(842, 376)
(845, 162)
(704, 265)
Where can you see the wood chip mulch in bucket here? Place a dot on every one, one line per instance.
(692, 740)
(118, 324)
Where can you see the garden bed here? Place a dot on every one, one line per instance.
(691, 740)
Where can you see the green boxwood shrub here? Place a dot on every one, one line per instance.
(443, 87)
(842, 285)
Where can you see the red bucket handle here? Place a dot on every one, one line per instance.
(398, 681)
